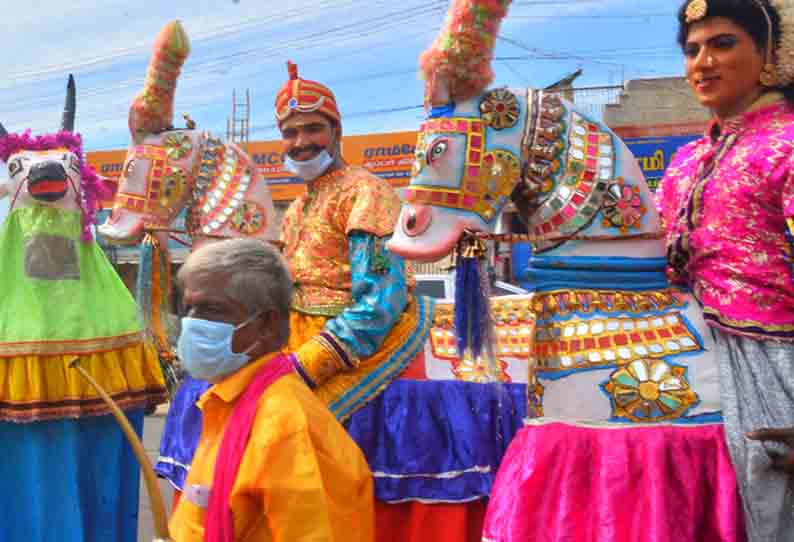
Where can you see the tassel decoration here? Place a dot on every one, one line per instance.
(153, 291)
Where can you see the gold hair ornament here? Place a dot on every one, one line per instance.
(695, 11)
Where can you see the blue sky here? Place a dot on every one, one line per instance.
(366, 50)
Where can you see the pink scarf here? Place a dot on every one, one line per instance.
(220, 522)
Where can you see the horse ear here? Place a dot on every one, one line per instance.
(3, 131)
(152, 111)
(70, 108)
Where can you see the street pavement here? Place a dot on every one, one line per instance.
(152, 429)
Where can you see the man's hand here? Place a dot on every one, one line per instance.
(781, 460)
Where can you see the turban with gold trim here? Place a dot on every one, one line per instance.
(304, 96)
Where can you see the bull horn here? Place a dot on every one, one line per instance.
(152, 111)
(70, 108)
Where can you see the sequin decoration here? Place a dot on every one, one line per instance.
(488, 177)
(515, 329)
(575, 198)
(178, 145)
(477, 370)
(650, 390)
(226, 180)
(249, 218)
(571, 345)
(499, 109)
(623, 206)
(174, 185)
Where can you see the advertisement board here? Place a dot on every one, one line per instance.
(388, 155)
(654, 153)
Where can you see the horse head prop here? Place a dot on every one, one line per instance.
(603, 305)
(568, 175)
(170, 169)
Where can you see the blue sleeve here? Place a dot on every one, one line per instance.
(379, 294)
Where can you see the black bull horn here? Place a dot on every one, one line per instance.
(70, 108)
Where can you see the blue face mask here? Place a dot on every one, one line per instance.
(205, 348)
(308, 170)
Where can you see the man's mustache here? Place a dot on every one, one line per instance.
(307, 148)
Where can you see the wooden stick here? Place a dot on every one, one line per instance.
(152, 486)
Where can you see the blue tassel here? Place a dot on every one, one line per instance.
(470, 306)
(143, 286)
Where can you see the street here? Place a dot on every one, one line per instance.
(152, 429)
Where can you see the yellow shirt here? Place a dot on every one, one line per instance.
(302, 478)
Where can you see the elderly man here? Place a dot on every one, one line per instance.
(353, 326)
(272, 463)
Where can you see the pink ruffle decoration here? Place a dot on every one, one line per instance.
(562, 482)
(91, 186)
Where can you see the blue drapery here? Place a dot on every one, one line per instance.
(69, 480)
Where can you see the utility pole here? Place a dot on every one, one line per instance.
(239, 124)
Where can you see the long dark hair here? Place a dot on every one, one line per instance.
(748, 15)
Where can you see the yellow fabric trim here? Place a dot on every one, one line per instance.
(35, 388)
(78, 347)
(319, 360)
(733, 324)
(305, 327)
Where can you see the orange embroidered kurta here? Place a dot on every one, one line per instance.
(352, 315)
(315, 232)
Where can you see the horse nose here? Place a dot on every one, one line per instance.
(416, 219)
(47, 181)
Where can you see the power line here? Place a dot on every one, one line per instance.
(347, 33)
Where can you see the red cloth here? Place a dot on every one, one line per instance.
(437, 522)
(220, 523)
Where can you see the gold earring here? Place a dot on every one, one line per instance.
(768, 77)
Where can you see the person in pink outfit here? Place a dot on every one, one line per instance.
(727, 205)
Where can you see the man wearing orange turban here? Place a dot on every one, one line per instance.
(352, 314)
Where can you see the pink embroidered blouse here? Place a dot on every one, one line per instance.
(724, 202)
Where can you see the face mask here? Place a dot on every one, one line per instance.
(205, 348)
(308, 170)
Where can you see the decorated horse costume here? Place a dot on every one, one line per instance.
(624, 393)
(169, 171)
(67, 472)
(433, 436)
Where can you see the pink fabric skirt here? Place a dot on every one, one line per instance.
(562, 482)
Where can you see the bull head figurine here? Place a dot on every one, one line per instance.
(49, 170)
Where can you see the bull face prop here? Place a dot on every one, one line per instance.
(50, 171)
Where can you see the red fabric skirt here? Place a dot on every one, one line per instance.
(419, 522)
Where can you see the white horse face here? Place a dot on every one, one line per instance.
(43, 178)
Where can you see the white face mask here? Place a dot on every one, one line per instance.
(308, 170)
(205, 348)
